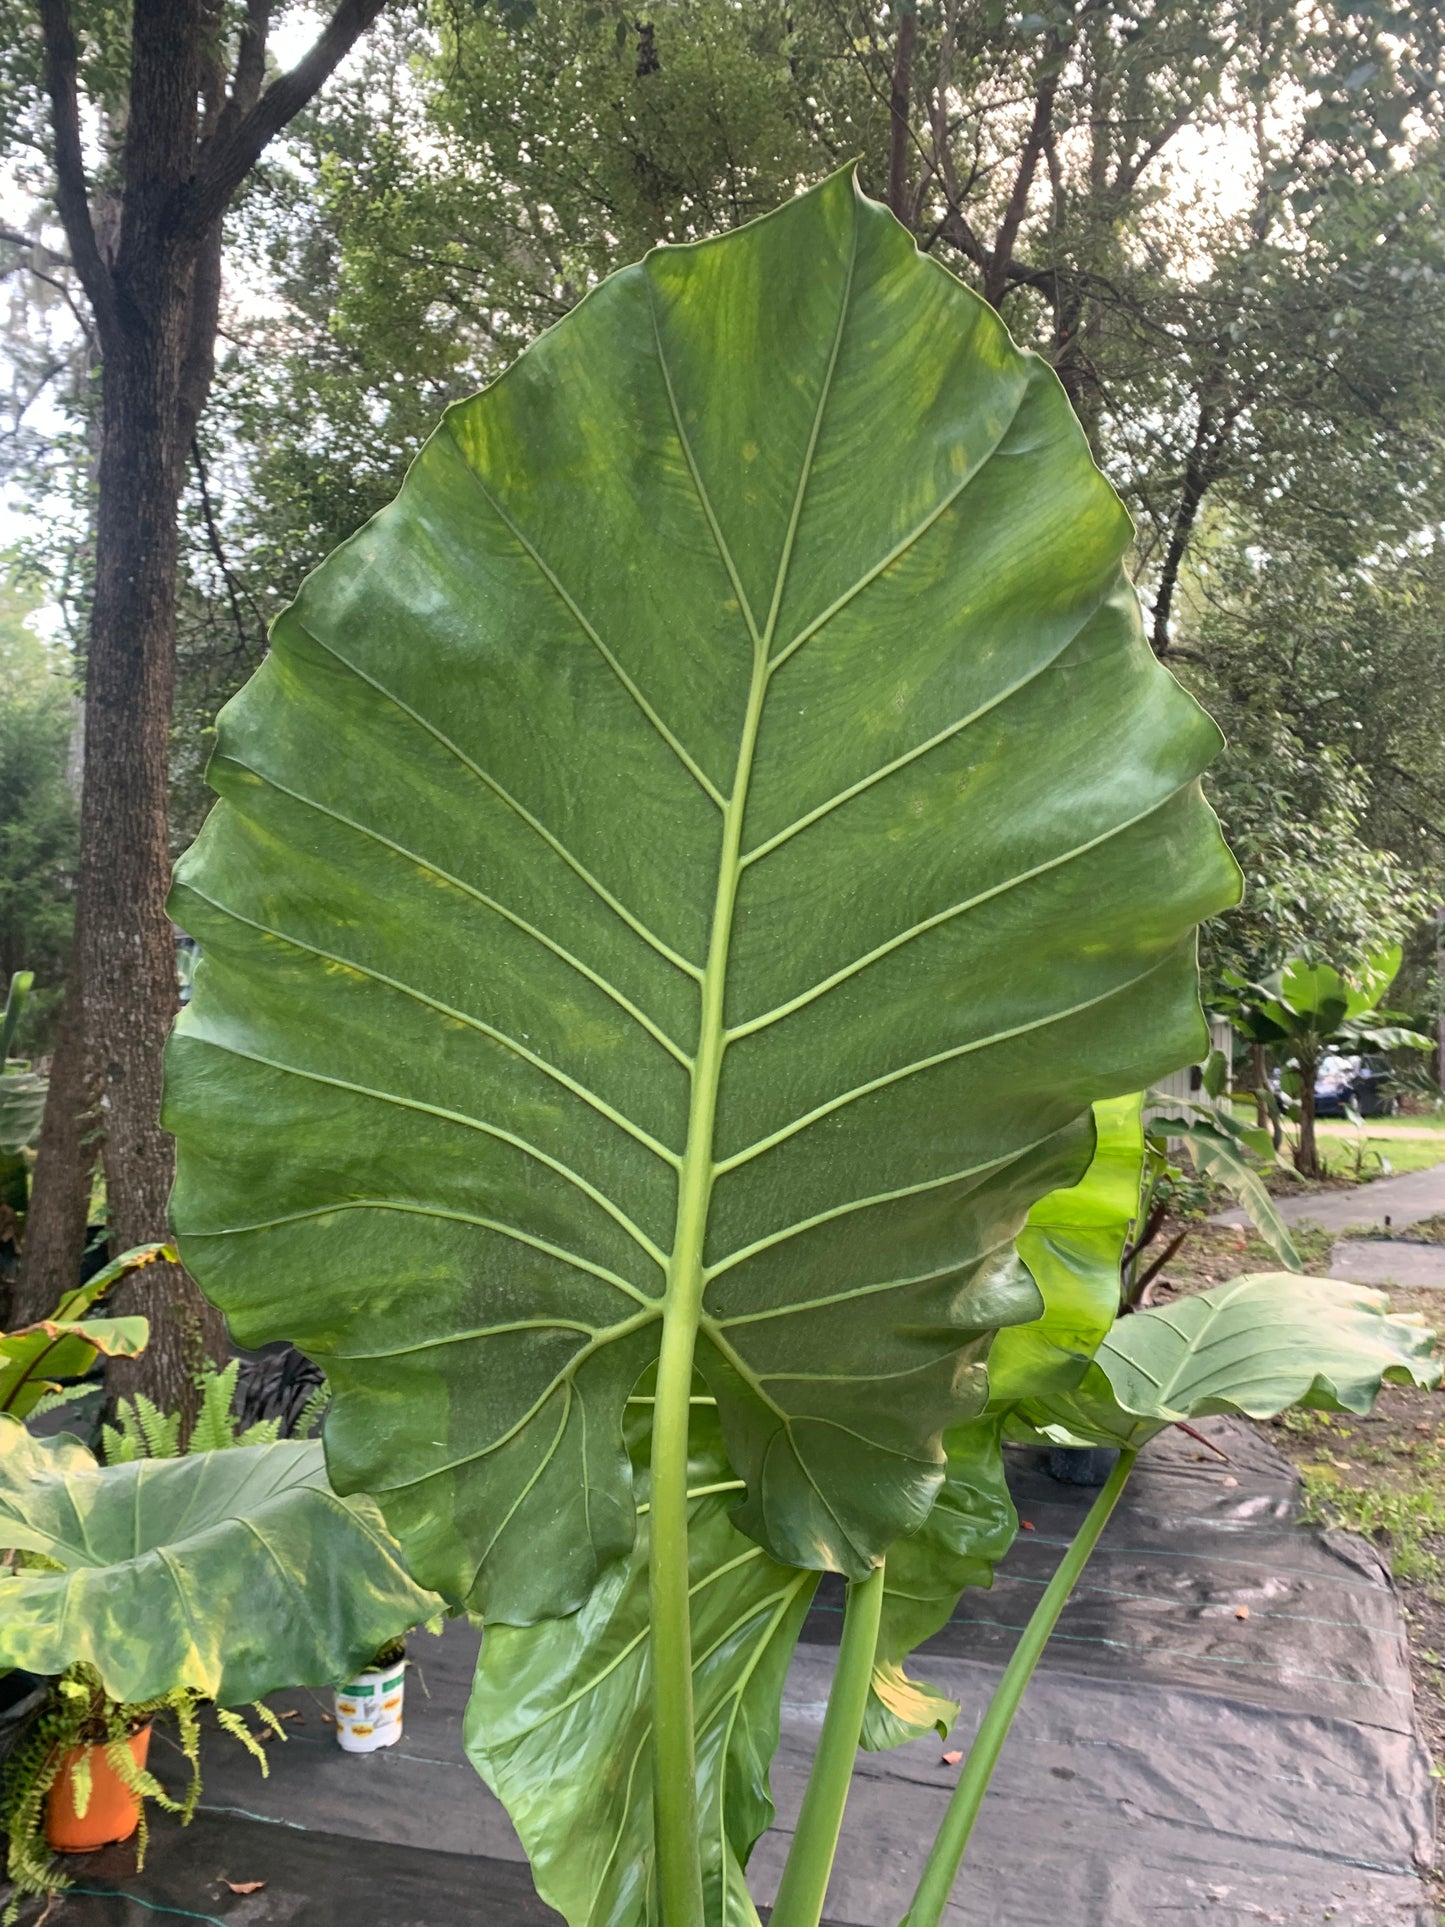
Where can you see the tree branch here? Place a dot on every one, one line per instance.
(214, 543)
(235, 151)
(250, 58)
(900, 106)
(71, 195)
(1211, 433)
(33, 245)
(997, 277)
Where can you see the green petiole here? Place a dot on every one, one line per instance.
(951, 1844)
(810, 1858)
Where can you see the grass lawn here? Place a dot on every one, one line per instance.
(1347, 1156)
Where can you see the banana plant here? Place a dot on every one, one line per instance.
(22, 1100)
(34, 1359)
(1303, 1008)
(683, 877)
(1230, 1153)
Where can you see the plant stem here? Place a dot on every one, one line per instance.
(949, 1847)
(810, 1858)
(675, 1817)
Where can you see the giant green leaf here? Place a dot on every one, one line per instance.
(693, 860)
(232, 1572)
(1254, 1346)
(560, 1720)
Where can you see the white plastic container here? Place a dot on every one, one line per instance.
(368, 1709)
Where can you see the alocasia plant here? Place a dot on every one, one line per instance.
(147, 1561)
(684, 873)
(1254, 1346)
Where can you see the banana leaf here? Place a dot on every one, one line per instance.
(235, 1573)
(22, 1105)
(1221, 1147)
(36, 1357)
(689, 865)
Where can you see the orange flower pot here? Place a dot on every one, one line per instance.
(113, 1811)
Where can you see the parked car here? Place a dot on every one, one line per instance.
(1360, 1083)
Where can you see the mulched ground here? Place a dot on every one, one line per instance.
(1382, 1476)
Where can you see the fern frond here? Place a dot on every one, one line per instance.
(268, 1718)
(309, 1418)
(82, 1781)
(161, 1431)
(265, 1431)
(215, 1428)
(233, 1724)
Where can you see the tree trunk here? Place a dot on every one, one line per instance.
(1265, 1114)
(126, 944)
(900, 108)
(64, 1161)
(1306, 1157)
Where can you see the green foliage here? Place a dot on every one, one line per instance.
(561, 1720)
(683, 1012)
(142, 1431)
(1225, 1154)
(1254, 1346)
(38, 810)
(1303, 1008)
(141, 1559)
(972, 1525)
(1073, 1244)
(572, 1143)
(67, 1344)
(77, 1713)
(1316, 877)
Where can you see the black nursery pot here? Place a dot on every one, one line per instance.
(1082, 1464)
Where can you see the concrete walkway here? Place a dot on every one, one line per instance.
(1402, 1201)
(1389, 1261)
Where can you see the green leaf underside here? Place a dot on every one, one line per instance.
(1254, 1346)
(707, 843)
(150, 1549)
(559, 1724)
(1072, 1243)
(969, 1530)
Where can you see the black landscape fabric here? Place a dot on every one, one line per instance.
(1173, 1763)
